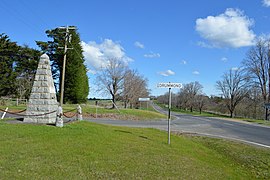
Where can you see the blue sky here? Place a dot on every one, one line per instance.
(166, 41)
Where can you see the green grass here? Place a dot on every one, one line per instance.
(137, 114)
(86, 150)
(20, 107)
(257, 121)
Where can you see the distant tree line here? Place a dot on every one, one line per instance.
(243, 91)
(189, 98)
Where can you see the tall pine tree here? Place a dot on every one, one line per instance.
(76, 87)
(26, 66)
(18, 65)
(8, 56)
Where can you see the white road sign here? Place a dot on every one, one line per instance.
(144, 99)
(169, 85)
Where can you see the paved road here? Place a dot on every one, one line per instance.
(236, 130)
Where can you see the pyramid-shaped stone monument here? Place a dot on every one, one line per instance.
(42, 105)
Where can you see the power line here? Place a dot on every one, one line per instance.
(76, 51)
(13, 12)
(26, 6)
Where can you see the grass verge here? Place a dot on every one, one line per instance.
(84, 150)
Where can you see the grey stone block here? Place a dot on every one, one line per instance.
(43, 97)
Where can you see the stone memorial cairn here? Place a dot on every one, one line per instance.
(42, 106)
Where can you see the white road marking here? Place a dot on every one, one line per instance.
(229, 124)
(236, 139)
(206, 120)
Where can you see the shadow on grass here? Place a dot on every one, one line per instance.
(123, 131)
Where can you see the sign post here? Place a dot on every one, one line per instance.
(170, 86)
(144, 100)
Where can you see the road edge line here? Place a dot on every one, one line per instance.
(236, 139)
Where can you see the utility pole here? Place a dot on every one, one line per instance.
(67, 39)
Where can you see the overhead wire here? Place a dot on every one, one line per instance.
(26, 6)
(76, 51)
(13, 12)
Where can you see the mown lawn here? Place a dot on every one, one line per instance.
(84, 150)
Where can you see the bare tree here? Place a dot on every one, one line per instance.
(190, 92)
(163, 99)
(111, 78)
(182, 99)
(256, 102)
(201, 101)
(257, 67)
(233, 87)
(135, 86)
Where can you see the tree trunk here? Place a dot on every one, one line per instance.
(231, 114)
(113, 100)
(266, 113)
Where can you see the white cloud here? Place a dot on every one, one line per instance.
(224, 59)
(139, 45)
(205, 45)
(96, 55)
(152, 55)
(196, 72)
(91, 71)
(230, 29)
(235, 68)
(167, 73)
(184, 62)
(266, 3)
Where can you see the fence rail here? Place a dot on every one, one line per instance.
(5, 101)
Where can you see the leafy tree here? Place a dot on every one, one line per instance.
(76, 87)
(8, 55)
(26, 66)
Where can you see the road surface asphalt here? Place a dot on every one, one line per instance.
(207, 126)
